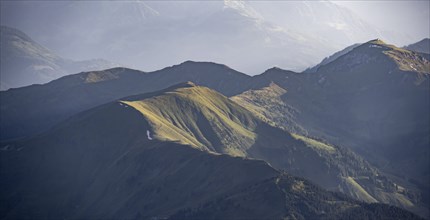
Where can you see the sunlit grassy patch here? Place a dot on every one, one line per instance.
(314, 143)
(199, 117)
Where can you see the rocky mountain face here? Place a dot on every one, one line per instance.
(111, 162)
(25, 62)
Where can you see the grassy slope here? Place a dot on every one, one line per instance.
(207, 120)
(315, 144)
(203, 118)
(358, 191)
(100, 165)
(350, 163)
(381, 109)
(31, 110)
(272, 109)
(363, 100)
(199, 117)
(405, 59)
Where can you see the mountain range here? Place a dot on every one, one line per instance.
(373, 99)
(356, 124)
(422, 46)
(25, 62)
(150, 35)
(110, 162)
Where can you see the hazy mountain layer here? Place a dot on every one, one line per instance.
(25, 62)
(235, 33)
(422, 46)
(103, 163)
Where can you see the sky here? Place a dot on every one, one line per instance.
(411, 17)
(248, 36)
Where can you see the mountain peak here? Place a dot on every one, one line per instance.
(187, 84)
(200, 63)
(174, 110)
(174, 88)
(276, 71)
(372, 54)
(275, 68)
(377, 41)
(422, 46)
(29, 62)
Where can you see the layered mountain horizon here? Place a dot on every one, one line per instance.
(229, 109)
(133, 130)
(35, 64)
(333, 126)
(150, 35)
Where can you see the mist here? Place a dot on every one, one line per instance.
(250, 36)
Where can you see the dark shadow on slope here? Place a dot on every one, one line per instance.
(283, 151)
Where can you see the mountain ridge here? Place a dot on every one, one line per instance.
(422, 46)
(337, 88)
(25, 62)
(364, 100)
(202, 118)
(122, 172)
(73, 90)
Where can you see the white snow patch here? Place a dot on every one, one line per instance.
(148, 134)
(377, 46)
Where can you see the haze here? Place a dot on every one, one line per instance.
(249, 36)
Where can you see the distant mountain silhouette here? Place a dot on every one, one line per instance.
(25, 62)
(422, 46)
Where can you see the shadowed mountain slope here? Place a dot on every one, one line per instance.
(331, 58)
(30, 110)
(366, 184)
(374, 99)
(209, 121)
(103, 164)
